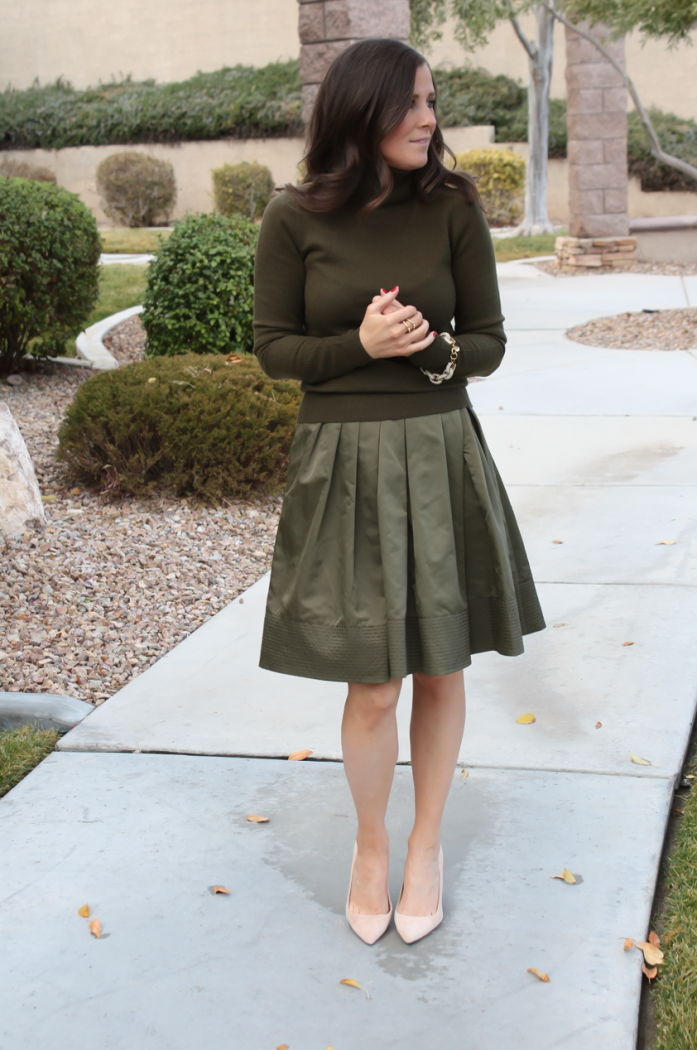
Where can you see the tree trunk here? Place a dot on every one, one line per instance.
(540, 57)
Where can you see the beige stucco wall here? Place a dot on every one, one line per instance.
(86, 41)
(193, 162)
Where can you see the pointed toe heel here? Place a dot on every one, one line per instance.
(368, 927)
(413, 927)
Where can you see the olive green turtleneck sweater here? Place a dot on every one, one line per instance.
(317, 273)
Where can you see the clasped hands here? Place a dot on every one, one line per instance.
(383, 333)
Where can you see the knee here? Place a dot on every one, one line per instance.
(439, 686)
(374, 702)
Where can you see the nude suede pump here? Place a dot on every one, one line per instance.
(413, 927)
(368, 927)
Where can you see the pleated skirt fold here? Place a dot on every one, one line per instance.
(397, 552)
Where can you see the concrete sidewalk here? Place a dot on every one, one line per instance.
(598, 449)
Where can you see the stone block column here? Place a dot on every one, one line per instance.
(597, 132)
(327, 27)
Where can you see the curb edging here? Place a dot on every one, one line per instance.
(89, 343)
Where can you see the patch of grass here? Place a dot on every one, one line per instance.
(132, 241)
(22, 749)
(509, 248)
(674, 994)
(120, 286)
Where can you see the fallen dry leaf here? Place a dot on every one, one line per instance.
(232, 359)
(354, 984)
(152, 379)
(465, 774)
(627, 643)
(96, 928)
(628, 943)
(540, 976)
(565, 875)
(598, 725)
(220, 889)
(560, 625)
(639, 761)
(649, 973)
(84, 911)
(665, 543)
(652, 954)
(256, 819)
(299, 756)
(557, 541)
(75, 492)
(525, 720)
(654, 939)
(283, 1046)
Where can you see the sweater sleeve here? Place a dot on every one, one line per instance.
(478, 321)
(280, 343)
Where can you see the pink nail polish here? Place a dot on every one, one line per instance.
(434, 334)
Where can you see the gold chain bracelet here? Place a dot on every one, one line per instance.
(450, 367)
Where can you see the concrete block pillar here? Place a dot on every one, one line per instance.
(327, 27)
(597, 131)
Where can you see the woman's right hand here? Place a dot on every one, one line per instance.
(383, 334)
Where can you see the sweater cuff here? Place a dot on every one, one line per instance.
(433, 358)
(355, 352)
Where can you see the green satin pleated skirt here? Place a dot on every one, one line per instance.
(397, 552)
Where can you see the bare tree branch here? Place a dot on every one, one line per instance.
(665, 158)
(529, 47)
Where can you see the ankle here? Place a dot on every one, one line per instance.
(424, 848)
(375, 842)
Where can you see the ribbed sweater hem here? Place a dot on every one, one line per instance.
(373, 407)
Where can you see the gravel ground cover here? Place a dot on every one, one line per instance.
(126, 341)
(107, 588)
(673, 269)
(655, 330)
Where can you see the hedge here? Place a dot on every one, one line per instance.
(234, 102)
(193, 425)
(500, 175)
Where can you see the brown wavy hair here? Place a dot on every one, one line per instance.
(365, 95)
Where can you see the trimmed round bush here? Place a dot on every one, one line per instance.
(500, 175)
(677, 135)
(199, 426)
(49, 269)
(136, 189)
(243, 189)
(200, 290)
(21, 169)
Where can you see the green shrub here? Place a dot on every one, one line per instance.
(200, 288)
(677, 135)
(500, 175)
(136, 189)
(468, 97)
(49, 269)
(239, 102)
(21, 169)
(243, 189)
(189, 425)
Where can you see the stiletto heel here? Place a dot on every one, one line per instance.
(368, 927)
(413, 927)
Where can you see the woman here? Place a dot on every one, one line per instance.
(397, 550)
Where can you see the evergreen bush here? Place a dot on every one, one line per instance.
(136, 189)
(21, 169)
(200, 290)
(239, 102)
(677, 135)
(49, 269)
(500, 175)
(243, 189)
(191, 425)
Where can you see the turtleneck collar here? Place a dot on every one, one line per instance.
(402, 189)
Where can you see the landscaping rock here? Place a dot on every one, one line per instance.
(20, 499)
(45, 710)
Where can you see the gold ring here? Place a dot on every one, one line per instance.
(409, 325)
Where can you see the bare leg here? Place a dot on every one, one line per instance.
(369, 743)
(437, 725)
